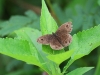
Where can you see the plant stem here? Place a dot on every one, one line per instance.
(50, 6)
(67, 65)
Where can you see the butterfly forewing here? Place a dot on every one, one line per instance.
(65, 28)
(45, 39)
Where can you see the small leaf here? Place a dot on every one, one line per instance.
(59, 58)
(80, 71)
(48, 24)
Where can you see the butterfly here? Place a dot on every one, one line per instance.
(58, 40)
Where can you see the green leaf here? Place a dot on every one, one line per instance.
(31, 36)
(19, 49)
(84, 42)
(48, 25)
(14, 23)
(99, 2)
(18, 21)
(25, 47)
(59, 58)
(80, 71)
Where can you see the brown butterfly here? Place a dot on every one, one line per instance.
(58, 40)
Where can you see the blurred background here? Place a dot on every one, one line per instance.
(15, 14)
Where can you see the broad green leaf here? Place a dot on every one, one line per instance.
(80, 71)
(59, 58)
(28, 34)
(31, 36)
(48, 25)
(84, 42)
(19, 49)
(24, 47)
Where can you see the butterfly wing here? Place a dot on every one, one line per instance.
(54, 44)
(58, 40)
(45, 39)
(65, 28)
(63, 33)
(66, 39)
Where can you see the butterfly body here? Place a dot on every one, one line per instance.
(58, 40)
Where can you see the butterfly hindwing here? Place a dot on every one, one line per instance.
(65, 39)
(54, 44)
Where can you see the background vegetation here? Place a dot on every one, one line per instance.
(15, 14)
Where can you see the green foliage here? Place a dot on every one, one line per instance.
(84, 42)
(61, 56)
(83, 14)
(24, 45)
(17, 22)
